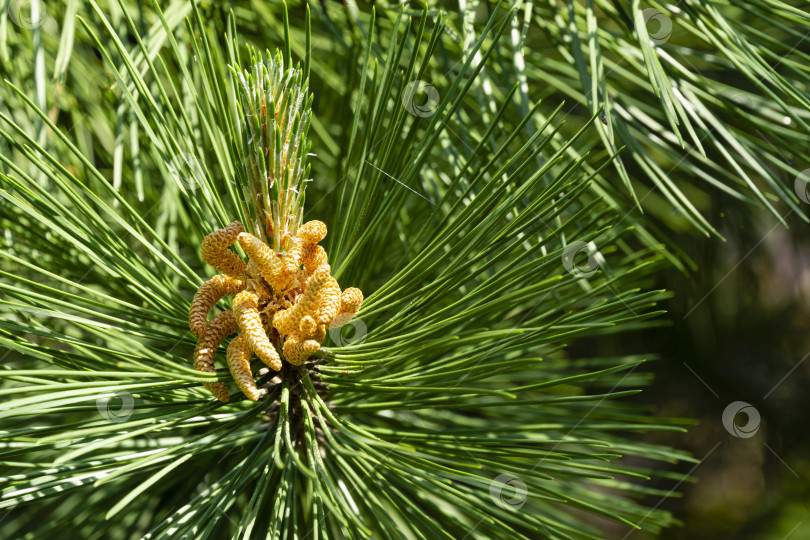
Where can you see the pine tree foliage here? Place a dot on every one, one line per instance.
(454, 405)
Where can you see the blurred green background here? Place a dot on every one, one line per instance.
(741, 332)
